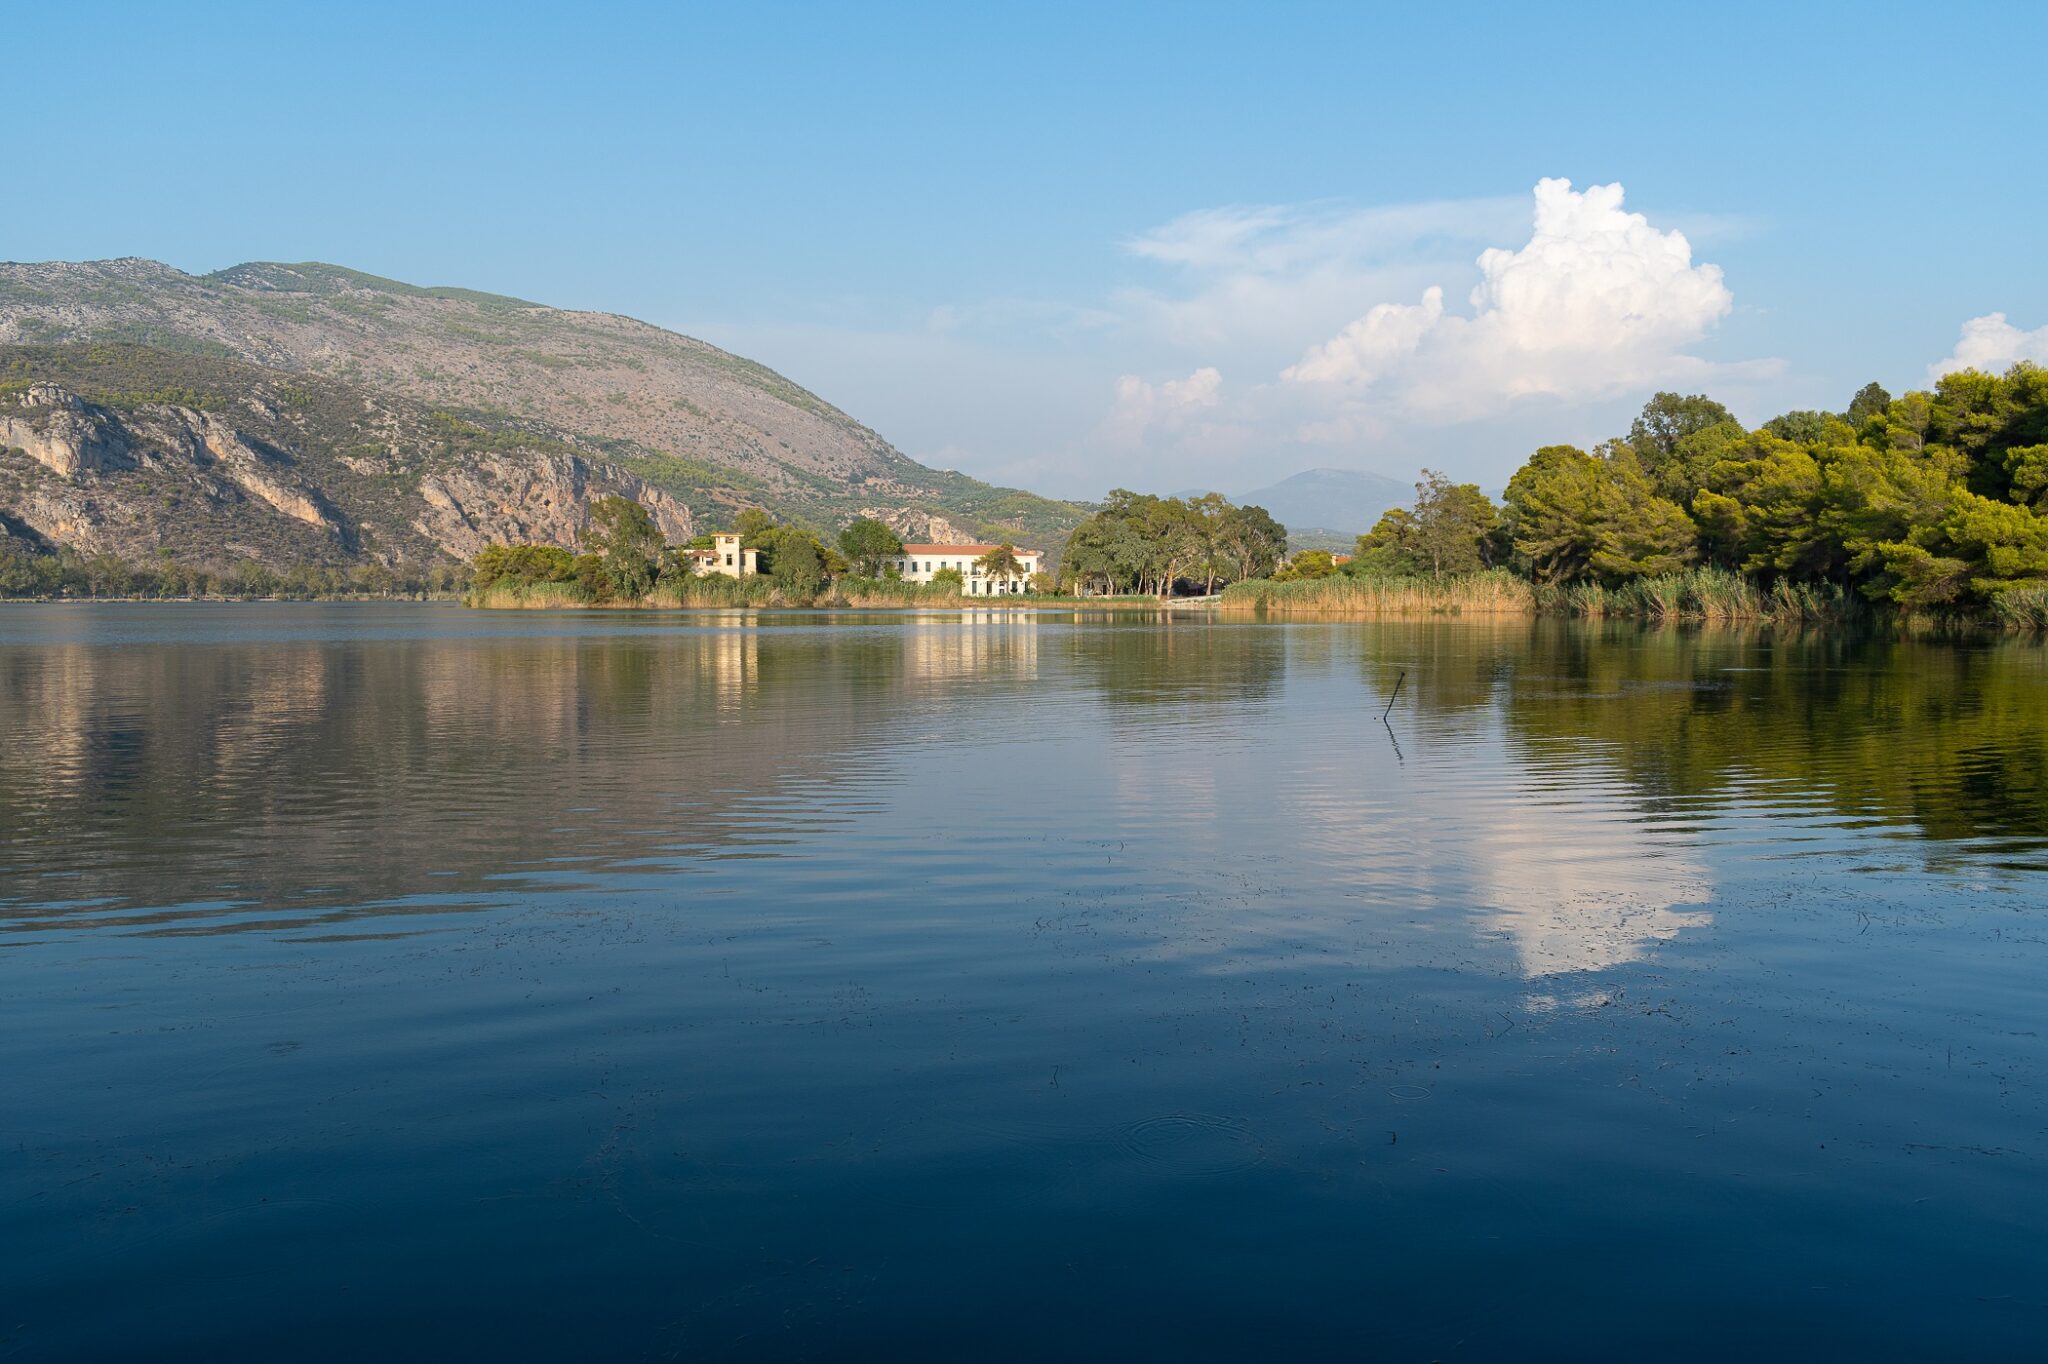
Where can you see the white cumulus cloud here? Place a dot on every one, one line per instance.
(1370, 346)
(1596, 303)
(1994, 345)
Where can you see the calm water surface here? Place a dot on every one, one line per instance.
(413, 983)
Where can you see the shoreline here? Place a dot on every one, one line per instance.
(1258, 606)
(510, 602)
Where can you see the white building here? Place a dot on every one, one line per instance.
(920, 563)
(725, 558)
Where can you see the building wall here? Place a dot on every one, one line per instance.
(728, 560)
(924, 566)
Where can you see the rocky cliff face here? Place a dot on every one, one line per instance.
(58, 431)
(287, 478)
(435, 420)
(540, 499)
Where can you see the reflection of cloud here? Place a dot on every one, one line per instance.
(1580, 890)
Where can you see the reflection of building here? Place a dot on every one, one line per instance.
(920, 563)
(983, 644)
(726, 558)
(731, 660)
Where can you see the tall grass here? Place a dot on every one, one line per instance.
(884, 593)
(1497, 592)
(509, 595)
(712, 590)
(1698, 594)
(1704, 594)
(512, 594)
(2021, 608)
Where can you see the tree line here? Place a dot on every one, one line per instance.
(1138, 543)
(624, 557)
(1935, 501)
(69, 573)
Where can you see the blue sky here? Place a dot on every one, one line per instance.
(1078, 246)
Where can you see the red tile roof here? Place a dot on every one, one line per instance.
(976, 550)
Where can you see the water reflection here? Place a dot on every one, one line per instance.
(362, 772)
(1569, 766)
(1941, 740)
(762, 983)
(1577, 890)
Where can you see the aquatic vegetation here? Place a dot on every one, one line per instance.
(1492, 592)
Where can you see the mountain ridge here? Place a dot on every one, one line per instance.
(627, 403)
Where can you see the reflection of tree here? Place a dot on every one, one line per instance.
(308, 776)
(1451, 666)
(1194, 665)
(1949, 738)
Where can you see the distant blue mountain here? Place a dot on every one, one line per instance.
(1327, 506)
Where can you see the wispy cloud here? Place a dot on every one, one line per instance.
(1255, 281)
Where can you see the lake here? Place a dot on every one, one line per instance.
(410, 982)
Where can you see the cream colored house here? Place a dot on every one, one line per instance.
(919, 563)
(725, 558)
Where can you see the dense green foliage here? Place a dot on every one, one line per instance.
(866, 543)
(522, 564)
(626, 562)
(1577, 516)
(623, 535)
(794, 555)
(1453, 528)
(1141, 543)
(798, 570)
(67, 573)
(1308, 565)
(1000, 562)
(1933, 503)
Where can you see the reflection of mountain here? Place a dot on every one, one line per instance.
(139, 779)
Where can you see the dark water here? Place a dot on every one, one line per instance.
(413, 983)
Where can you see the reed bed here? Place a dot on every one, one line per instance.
(1699, 594)
(508, 595)
(1705, 594)
(710, 591)
(883, 594)
(1494, 593)
(2021, 608)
